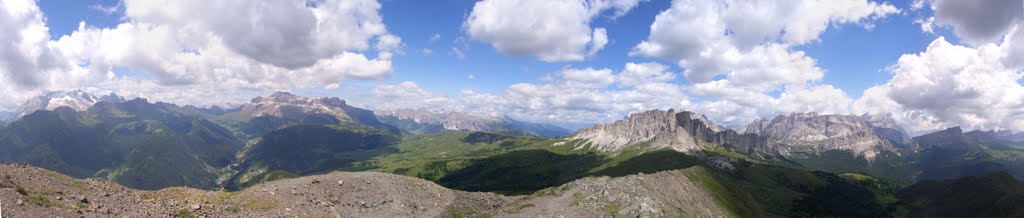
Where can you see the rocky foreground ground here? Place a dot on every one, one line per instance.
(33, 192)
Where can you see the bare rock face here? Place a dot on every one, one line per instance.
(887, 129)
(663, 194)
(78, 100)
(658, 127)
(682, 131)
(940, 139)
(289, 106)
(811, 132)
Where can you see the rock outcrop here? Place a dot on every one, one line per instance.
(682, 131)
(814, 133)
(885, 127)
(939, 139)
(289, 106)
(660, 128)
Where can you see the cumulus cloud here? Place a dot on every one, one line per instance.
(635, 74)
(587, 78)
(553, 31)
(709, 38)
(821, 98)
(976, 86)
(949, 85)
(979, 21)
(220, 47)
(570, 96)
(29, 60)
(741, 53)
(407, 94)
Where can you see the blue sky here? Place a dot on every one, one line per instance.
(850, 65)
(793, 67)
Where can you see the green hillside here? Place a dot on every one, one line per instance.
(136, 143)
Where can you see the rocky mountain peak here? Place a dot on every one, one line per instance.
(817, 133)
(78, 100)
(943, 138)
(880, 120)
(886, 128)
(292, 107)
(661, 128)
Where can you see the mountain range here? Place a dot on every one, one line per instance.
(421, 121)
(789, 165)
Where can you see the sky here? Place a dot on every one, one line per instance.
(931, 64)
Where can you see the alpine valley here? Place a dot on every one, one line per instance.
(76, 154)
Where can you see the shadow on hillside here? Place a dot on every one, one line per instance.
(527, 171)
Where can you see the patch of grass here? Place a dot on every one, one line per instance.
(41, 200)
(81, 205)
(20, 190)
(466, 212)
(234, 209)
(612, 209)
(454, 212)
(183, 213)
(726, 193)
(857, 177)
(520, 207)
(258, 204)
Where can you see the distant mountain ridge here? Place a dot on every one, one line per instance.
(136, 143)
(76, 99)
(681, 131)
(814, 133)
(289, 106)
(419, 121)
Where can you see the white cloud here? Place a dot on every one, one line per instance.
(108, 10)
(571, 96)
(434, 38)
(553, 31)
(471, 76)
(600, 40)
(426, 52)
(386, 44)
(975, 86)
(709, 38)
(458, 53)
(29, 61)
(587, 78)
(821, 98)
(739, 53)
(636, 74)
(407, 94)
(217, 47)
(949, 85)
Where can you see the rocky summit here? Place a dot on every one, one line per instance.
(681, 131)
(660, 128)
(815, 133)
(288, 106)
(77, 99)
